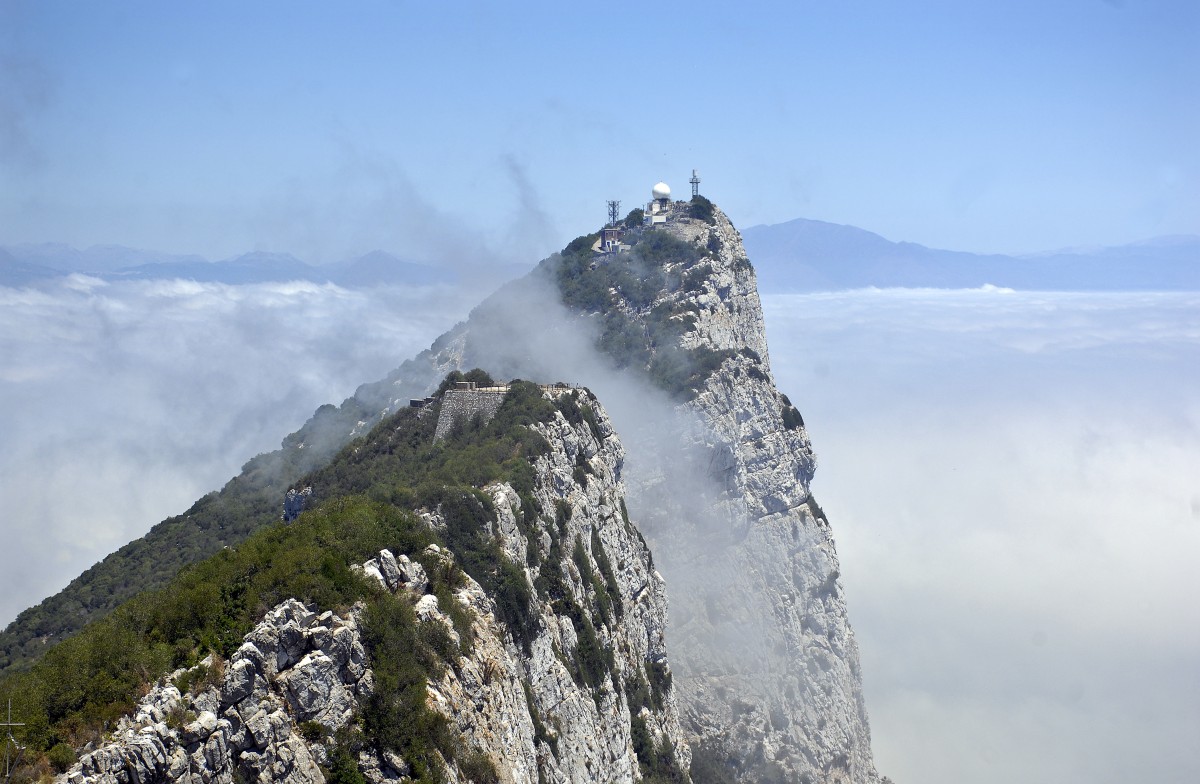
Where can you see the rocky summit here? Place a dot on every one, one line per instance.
(719, 473)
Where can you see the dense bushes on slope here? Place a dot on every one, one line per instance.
(80, 687)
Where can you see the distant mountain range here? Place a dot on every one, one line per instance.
(808, 255)
(24, 265)
(796, 256)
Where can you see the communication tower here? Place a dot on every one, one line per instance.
(614, 212)
(13, 751)
(695, 181)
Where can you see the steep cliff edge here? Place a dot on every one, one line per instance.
(512, 631)
(671, 333)
(770, 669)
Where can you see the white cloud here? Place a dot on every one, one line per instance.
(1013, 480)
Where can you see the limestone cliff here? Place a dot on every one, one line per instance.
(766, 663)
(585, 696)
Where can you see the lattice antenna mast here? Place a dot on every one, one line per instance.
(614, 212)
(11, 745)
(695, 181)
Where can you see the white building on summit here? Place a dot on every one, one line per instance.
(658, 211)
(660, 204)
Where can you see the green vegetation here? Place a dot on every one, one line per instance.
(701, 208)
(480, 377)
(656, 760)
(624, 289)
(84, 684)
(342, 768)
(791, 416)
(61, 757)
(577, 414)
(90, 680)
(540, 733)
(590, 664)
(660, 682)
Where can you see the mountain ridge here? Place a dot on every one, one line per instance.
(800, 255)
(507, 625)
(805, 255)
(719, 466)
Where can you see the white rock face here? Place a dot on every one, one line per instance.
(570, 706)
(294, 666)
(766, 663)
(499, 696)
(770, 667)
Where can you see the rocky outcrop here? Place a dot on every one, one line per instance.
(770, 669)
(585, 696)
(766, 662)
(567, 708)
(242, 722)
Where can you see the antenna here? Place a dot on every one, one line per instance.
(614, 212)
(695, 181)
(10, 765)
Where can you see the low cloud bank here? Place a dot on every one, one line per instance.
(1013, 482)
(121, 404)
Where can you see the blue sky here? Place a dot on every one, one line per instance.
(444, 129)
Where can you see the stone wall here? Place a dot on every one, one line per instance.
(466, 403)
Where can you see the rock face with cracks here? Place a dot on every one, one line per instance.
(295, 666)
(766, 663)
(587, 697)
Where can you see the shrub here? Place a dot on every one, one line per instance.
(659, 677)
(61, 757)
(611, 588)
(540, 734)
(701, 208)
(791, 416)
(478, 768)
(342, 768)
(714, 244)
(313, 731)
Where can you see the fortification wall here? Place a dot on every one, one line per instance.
(465, 404)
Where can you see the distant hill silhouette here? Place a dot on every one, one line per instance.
(23, 265)
(808, 255)
(796, 256)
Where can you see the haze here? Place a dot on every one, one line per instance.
(1011, 477)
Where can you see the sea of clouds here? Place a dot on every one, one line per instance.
(1013, 480)
(1014, 485)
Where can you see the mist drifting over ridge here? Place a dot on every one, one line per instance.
(1053, 440)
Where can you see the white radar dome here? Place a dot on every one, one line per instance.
(662, 191)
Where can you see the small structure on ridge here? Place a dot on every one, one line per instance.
(659, 205)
